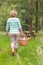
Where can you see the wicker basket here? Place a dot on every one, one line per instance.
(24, 42)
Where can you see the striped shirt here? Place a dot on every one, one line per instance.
(13, 25)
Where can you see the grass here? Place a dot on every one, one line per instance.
(27, 55)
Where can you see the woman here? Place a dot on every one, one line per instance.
(15, 28)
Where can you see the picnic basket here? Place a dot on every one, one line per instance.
(23, 41)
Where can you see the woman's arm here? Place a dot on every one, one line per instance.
(22, 33)
(7, 27)
(20, 28)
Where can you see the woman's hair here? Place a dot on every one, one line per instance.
(13, 13)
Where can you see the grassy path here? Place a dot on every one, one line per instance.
(28, 55)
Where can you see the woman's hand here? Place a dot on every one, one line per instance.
(22, 34)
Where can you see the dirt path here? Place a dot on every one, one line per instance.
(2, 32)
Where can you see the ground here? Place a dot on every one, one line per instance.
(27, 55)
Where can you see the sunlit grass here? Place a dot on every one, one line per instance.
(27, 55)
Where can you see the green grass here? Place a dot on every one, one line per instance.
(27, 55)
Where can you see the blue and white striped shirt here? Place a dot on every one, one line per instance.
(13, 24)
